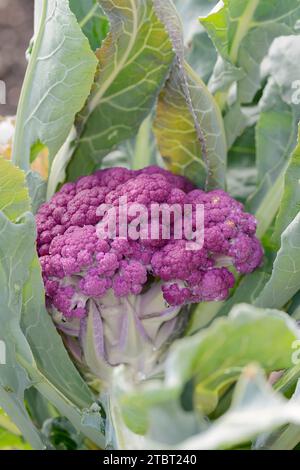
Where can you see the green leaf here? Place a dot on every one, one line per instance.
(91, 19)
(7, 424)
(239, 26)
(284, 117)
(237, 120)
(34, 354)
(57, 82)
(40, 410)
(268, 206)
(277, 136)
(189, 11)
(284, 281)
(216, 24)
(142, 150)
(16, 252)
(274, 135)
(290, 202)
(242, 172)
(255, 408)
(37, 188)
(14, 198)
(188, 126)
(224, 74)
(57, 173)
(170, 425)
(134, 61)
(46, 344)
(10, 441)
(138, 152)
(202, 55)
(214, 359)
(282, 439)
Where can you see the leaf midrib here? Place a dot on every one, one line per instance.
(243, 28)
(95, 101)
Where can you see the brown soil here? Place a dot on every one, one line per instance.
(16, 30)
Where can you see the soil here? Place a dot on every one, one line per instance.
(16, 30)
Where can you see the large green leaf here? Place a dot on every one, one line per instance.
(133, 64)
(91, 19)
(214, 359)
(16, 251)
(57, 82)
(285, 280)
(188, 126)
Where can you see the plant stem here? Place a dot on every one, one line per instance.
(244, 25)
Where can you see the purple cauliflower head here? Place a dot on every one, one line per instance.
(118, 299)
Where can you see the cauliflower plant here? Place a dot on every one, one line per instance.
(119, 301)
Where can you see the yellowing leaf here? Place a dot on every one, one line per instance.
(14, 198)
